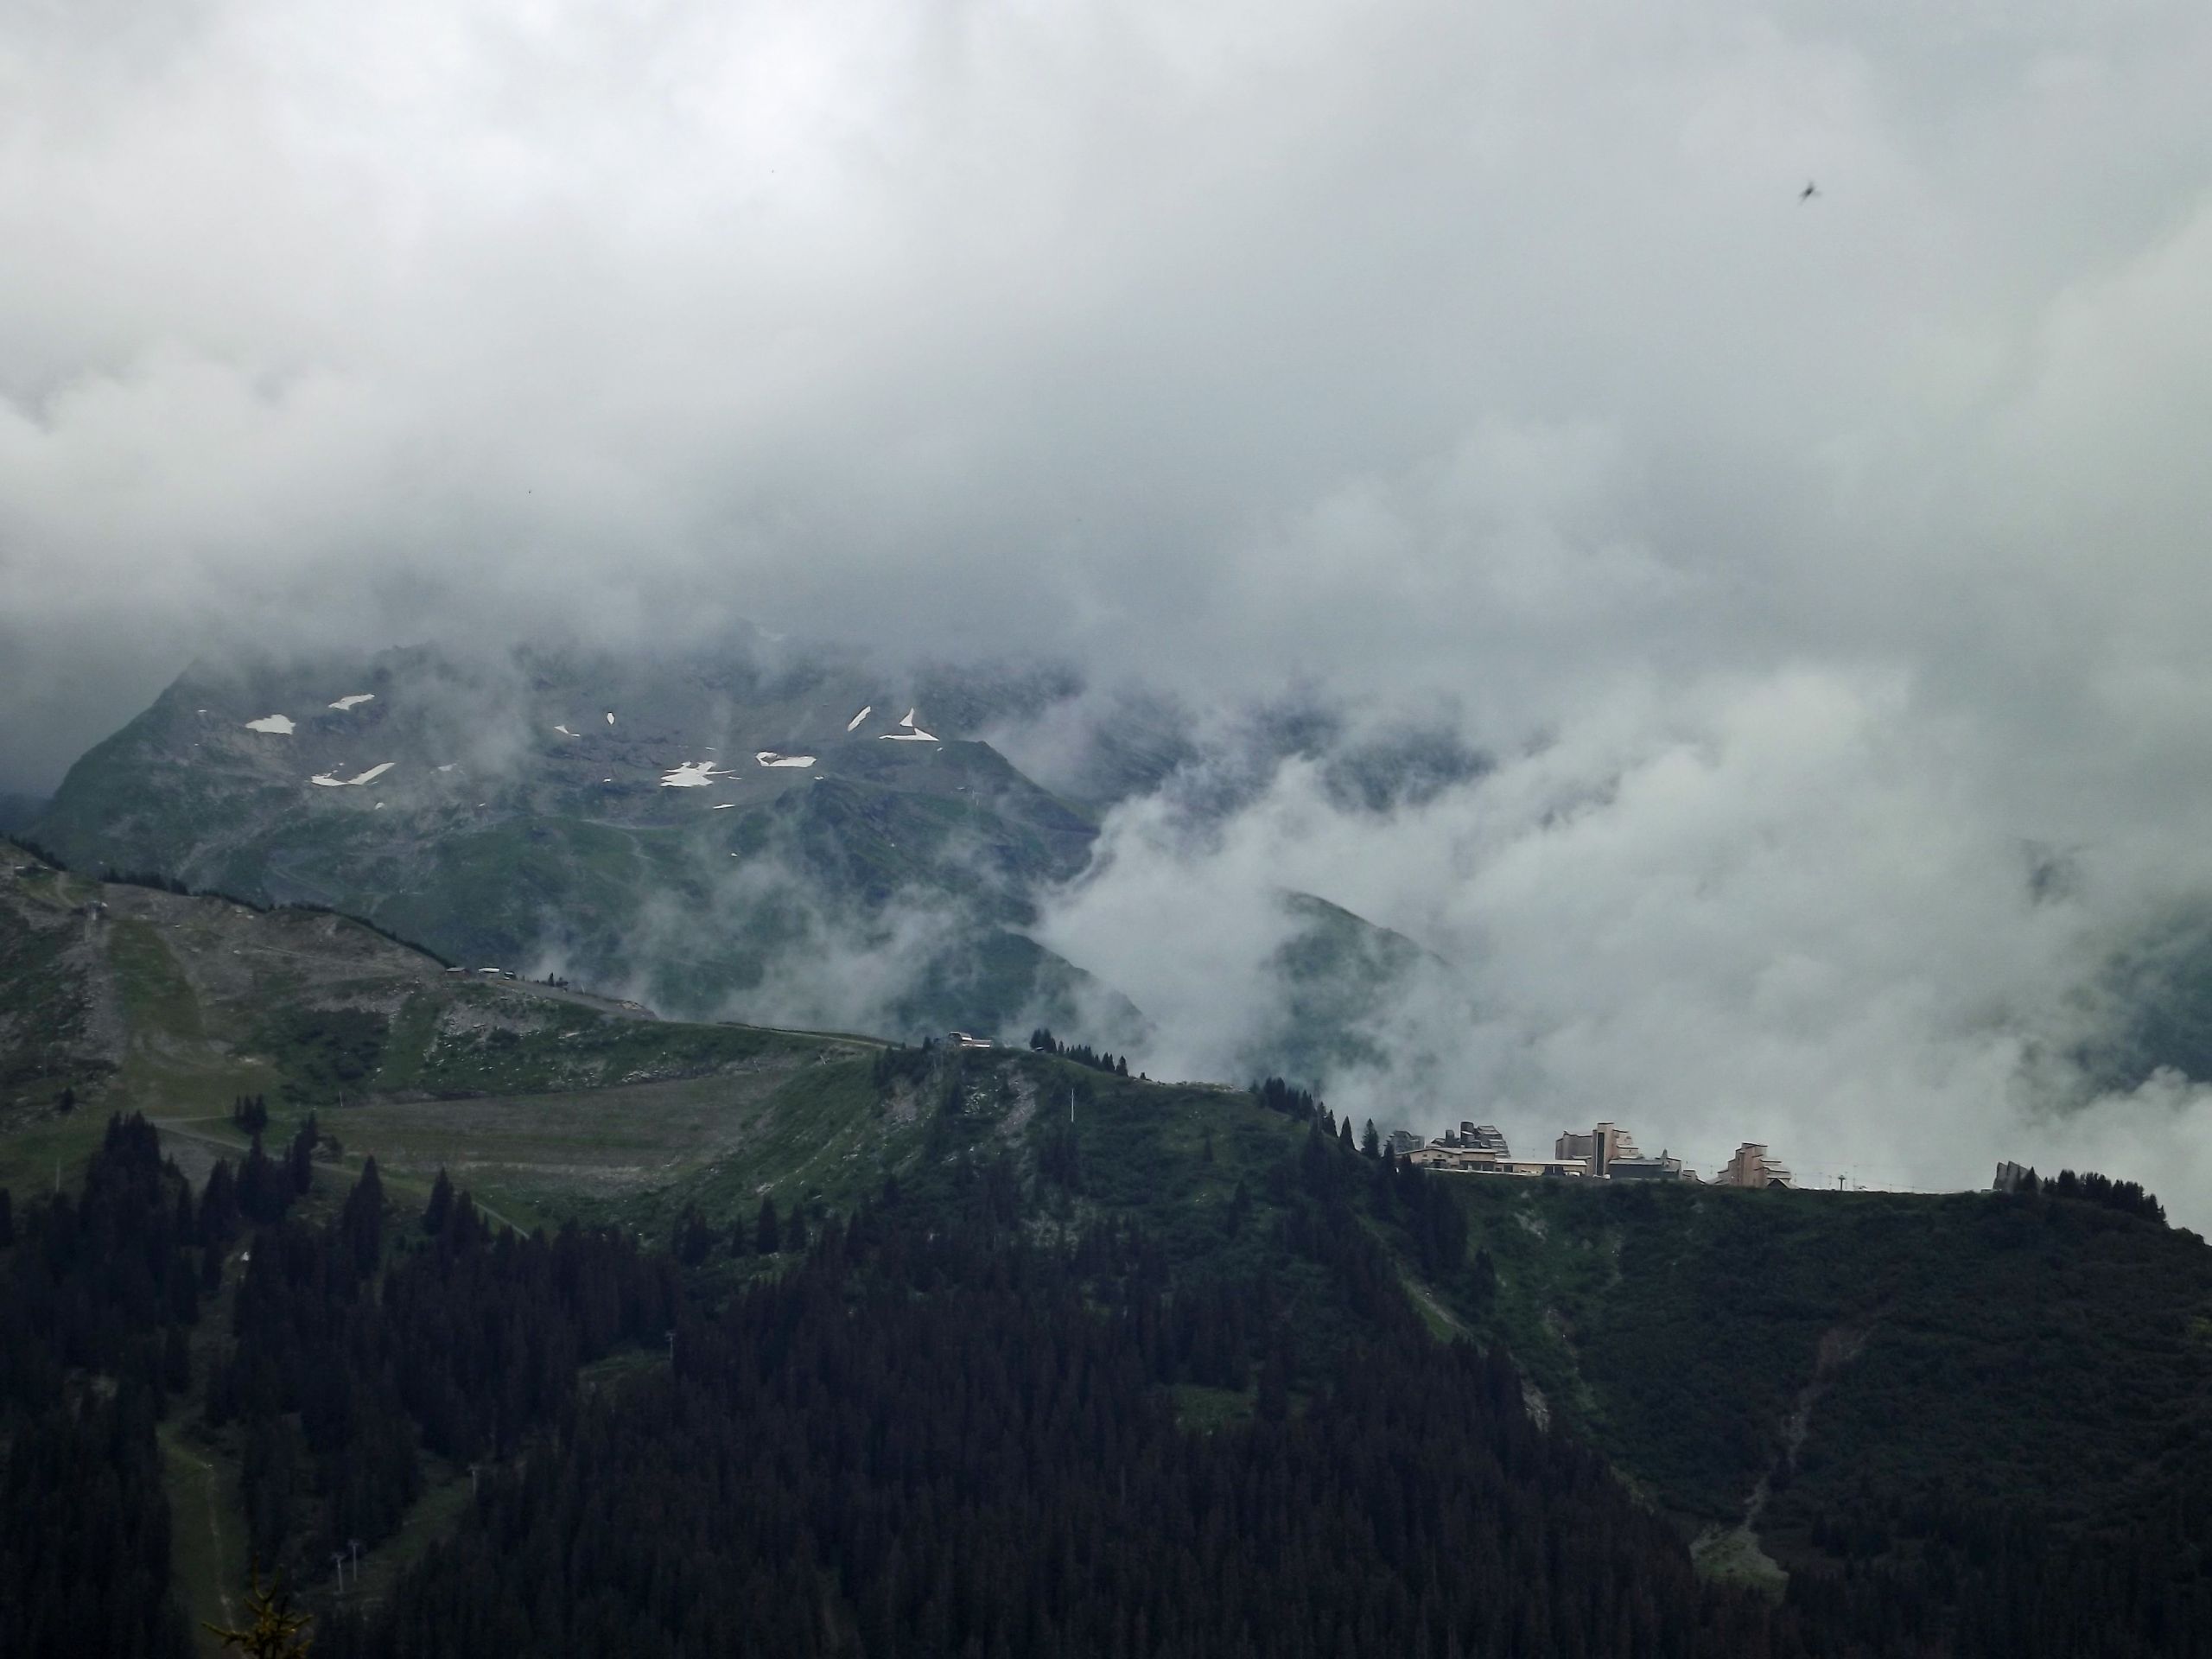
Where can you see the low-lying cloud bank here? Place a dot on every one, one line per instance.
(1784, 910)
(1810, 572)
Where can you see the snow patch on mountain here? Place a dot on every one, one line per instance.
(331, 780)
(692, 774)
(912, 733)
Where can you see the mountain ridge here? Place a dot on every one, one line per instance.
(648, 827)
(502, 815)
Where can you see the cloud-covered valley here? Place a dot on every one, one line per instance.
(1822, 582)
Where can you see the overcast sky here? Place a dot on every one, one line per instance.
(1803, 561)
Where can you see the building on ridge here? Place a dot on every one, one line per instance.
(1474, 1137)
(1752, 1167)
(1664, 1167)
(1598, 1149)
(1451, 1156)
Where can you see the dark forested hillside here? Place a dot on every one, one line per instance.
(1049, 1359)
(937, 1441)
(469, 1342)
(1987, 1411)
(101, 1285)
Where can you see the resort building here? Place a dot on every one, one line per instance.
(1662, 1168)
(1599, 1149)
(1752, 1167)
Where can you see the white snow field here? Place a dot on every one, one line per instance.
(913, 734)
(854, 723)
(331, 780)
(275, 725)
(346, 704)
(770, 758)
(692, 774)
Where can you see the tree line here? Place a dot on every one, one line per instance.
(1114, 1065)
(2090, 1187)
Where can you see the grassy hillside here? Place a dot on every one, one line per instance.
(1806, 1380)
(175, 1007)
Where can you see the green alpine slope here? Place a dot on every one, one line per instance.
(715, 835)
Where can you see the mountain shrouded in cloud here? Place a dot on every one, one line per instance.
(1794, 570)
(714, 833)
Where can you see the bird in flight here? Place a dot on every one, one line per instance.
(1808, 193)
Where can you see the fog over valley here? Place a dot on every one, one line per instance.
(1740, 649)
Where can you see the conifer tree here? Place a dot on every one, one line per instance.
(277, 1632)
(218, 1206)
(693, 1240)
(441, 1205)
(361, 1223)
(1273, 1404)
(299, 1157)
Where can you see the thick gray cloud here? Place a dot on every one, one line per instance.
(1803, 562)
